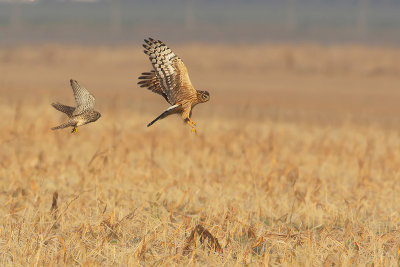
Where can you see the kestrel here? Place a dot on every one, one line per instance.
(170, 79)
(83, 113)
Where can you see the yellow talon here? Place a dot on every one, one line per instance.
(189, 122)
(192, 122)
(74, 130)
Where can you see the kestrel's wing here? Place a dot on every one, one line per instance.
(150, 80)
(64, 125)
(64, 108)
(84, 100)
(170, 70)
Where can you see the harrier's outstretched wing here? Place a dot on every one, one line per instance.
(150, 80)
(170, 71)
(84, 100)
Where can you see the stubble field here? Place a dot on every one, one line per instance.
(296, 160)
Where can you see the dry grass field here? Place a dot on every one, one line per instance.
(296, 160)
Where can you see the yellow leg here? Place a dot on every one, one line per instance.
(74, 130)
(191, 125)
(192, 122)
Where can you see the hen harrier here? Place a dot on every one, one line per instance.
(170, 79)
(83, 113)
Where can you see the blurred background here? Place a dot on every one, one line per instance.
(211, 21)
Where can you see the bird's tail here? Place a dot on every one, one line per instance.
(168, 111)
(162, 116)
(64, 125)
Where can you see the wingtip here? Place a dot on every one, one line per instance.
(150, 40)
(54, 104)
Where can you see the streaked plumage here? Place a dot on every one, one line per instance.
(170, 79)
(83, 113)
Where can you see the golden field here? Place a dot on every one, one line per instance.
(296, 160)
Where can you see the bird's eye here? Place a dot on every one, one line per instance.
(204, 97)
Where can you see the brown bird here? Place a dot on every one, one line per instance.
(83, 113)
(170, 79)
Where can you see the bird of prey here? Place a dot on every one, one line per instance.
(83, 113)
(170, 79)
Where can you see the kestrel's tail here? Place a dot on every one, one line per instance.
(64, 108)
(64, 125)
(171, 110)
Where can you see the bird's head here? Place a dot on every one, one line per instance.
(203, 96)
(96, 115)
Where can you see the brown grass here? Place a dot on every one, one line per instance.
(296, 161)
